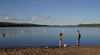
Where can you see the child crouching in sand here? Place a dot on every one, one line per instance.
(60, 39)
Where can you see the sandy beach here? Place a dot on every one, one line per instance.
(50, 50)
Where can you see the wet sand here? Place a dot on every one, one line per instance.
(50, 50)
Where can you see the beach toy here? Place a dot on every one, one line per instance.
(3, 34)
(65, 45)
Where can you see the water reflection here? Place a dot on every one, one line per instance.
(34, 34)
(63, 30)
(45, 33)
(22, 32)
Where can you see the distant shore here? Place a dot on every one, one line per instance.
(11, 24)
(50, 50)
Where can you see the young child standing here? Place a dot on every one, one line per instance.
(60, 39)
(78, 37)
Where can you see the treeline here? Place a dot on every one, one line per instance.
(9, 24)
(88, 25)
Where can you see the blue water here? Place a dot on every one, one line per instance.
(48, 36)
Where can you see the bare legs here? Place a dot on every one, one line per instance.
(60, 43)
(78, 43)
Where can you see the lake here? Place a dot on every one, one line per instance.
(48, 36)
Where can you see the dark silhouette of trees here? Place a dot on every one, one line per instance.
(9, 24)
(88, 24)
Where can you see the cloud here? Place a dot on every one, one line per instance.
(64, 8)
(34, 19)
(47, 16)
(28, 18)
(48, 1)
(85, 18)
(95, 13)
(38, 15)
(62, 18)
(27, 14)
(40, 2)
(14, 12)
(75, 10)
(8, 18)
(20, 19)
(15, 8)
(15, 21)
(77, 18)
(3, 11)
(4, 14)
(52, 21)
(11, 15)
(80, 11)
(98, 17)
(77, 21)
(73, 21)
(36, 2)
(70, 7)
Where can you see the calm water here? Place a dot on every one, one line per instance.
(48, 36)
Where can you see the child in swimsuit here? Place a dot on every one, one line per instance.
(78, 37)
(60, 39)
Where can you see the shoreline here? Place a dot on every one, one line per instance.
(54, 46)
(51, 46)
(51, 50)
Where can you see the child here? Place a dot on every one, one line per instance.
(78, 37)
(60, 39)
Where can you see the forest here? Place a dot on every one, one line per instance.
(88, 24)
(10, 24)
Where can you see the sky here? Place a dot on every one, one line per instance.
(50, 12)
